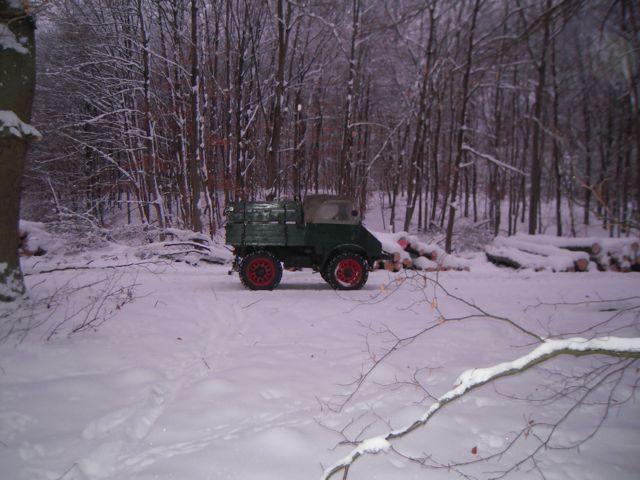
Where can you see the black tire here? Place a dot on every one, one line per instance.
(260, 270)
(347, 271)
(323, 274)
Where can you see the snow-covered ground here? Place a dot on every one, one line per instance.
(181, 373)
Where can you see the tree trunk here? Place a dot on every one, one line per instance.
(461, 128)
(283, 28)
(587, 119)
(345, 185)
(416, 162)
(556, 143)
(149, 154)
(17, 77)
(536, 148)
(194, 161)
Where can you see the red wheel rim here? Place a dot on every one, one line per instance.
(261, 271)
(349, 272)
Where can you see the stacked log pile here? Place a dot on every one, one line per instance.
(409, 252)
(564, 254)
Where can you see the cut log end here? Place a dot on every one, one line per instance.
(582, 265)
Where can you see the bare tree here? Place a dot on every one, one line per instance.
(283, 27)
(187, 105)
(461, 124)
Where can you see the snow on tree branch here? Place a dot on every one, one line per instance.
(12, 126)
(494, 160)
(476, 377)
(9, 41)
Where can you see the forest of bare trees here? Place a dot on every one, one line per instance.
(162, 111)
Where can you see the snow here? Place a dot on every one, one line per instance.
(17, 128)
(193, 376)
(477, 376)
(390, 243)
(369, 446)
(374, 445)
(423, 263)
(8, 40)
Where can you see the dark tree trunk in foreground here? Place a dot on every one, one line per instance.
(17, 80)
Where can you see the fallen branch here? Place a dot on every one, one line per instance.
(87, 267)
(474, 378)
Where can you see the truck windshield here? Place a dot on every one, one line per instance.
(333, 211)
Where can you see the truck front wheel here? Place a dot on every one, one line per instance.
(347, 271)
(260, 271)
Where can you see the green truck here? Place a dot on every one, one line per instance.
(324, 232)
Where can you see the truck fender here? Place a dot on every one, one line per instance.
(345, 248)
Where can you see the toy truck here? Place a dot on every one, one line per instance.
(323, 232)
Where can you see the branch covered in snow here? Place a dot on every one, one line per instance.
(12, 126)
(477, 377)
(8, 40)
(494, 160)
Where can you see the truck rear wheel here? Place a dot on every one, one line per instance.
(260, 270)
(347, 271)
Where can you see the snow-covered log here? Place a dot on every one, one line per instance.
(432, 252)
(617, 254)
(423, 263)
(558, 258)
(504, 257)
(408, 251)
(591, 245)
(516, 258)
